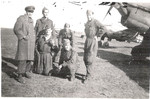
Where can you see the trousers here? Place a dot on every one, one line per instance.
(90, 53)
(24, 66)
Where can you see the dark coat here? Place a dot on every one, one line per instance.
(24, 27)
(69, 61)
(42, 23)
(63, 34)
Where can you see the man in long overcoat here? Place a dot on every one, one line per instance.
(24, 31)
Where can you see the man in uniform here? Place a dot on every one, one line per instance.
(43, 22)
(24, 31)
(68, 59)
(91, 44)
(66, 33)
(41, 25)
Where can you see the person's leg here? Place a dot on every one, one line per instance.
(47, 64)
(28, 68)
(21, 70)
(89, 71)
(90, 57)
(72, 70)
(39, 69)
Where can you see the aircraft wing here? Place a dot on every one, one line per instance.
(123, 35)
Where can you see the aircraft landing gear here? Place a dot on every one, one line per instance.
(103, 45)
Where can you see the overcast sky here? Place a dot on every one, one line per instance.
(60, 13)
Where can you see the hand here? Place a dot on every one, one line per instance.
(26, 37)
(59, 67)
(64, 64)
(52, 42)
(49, 31)
(31, 63)
(95, 38)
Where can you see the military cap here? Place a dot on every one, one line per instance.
(89, 12)
(44, 9)
(30, 8)
(67, 25)
(66, 42)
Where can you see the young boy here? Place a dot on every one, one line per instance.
(45, 46)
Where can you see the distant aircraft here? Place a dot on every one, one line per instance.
(136, 17)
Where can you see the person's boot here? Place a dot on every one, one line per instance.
(87, 78)
(72, 78)
(27, 75)
(20, 79)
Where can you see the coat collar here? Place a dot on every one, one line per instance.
(43, 19)
(29, 19)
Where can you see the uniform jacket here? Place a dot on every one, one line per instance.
(92, 28)
(67, 57)
(91, 45)
(66, 35)
(45, 46)
(24, 27)
(42, 24)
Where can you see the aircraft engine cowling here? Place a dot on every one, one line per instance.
(136, 19)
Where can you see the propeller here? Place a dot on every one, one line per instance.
(108, 12)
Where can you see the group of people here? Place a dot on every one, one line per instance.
(40, 50)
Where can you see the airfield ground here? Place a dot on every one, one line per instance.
(113, 76)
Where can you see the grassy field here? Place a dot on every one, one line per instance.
(113, 77)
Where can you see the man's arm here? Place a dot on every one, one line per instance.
(72, 39)
(36, 28)
(60, 39)
(18, 29)
(72, 60)
(101, 28)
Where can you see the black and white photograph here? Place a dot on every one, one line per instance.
(75, 49)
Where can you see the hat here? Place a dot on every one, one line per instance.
(67, 25)
(30, 8)
(66, 42)
(44, 9)
(89, 12)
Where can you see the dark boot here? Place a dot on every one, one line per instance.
(20, 79)
(27, 75)
(72, 78)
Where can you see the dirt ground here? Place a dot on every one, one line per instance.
(113, 77)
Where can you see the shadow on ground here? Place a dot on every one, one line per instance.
(137, 72)
(8, 68)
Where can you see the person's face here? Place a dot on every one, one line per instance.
(67, 28)
(52, 41)
(89, 17)
(45, 13)
(67, 47)
(49, 32)
(29, 14)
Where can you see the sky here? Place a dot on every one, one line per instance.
(60, 13)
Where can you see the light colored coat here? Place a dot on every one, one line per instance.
(24, 27)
